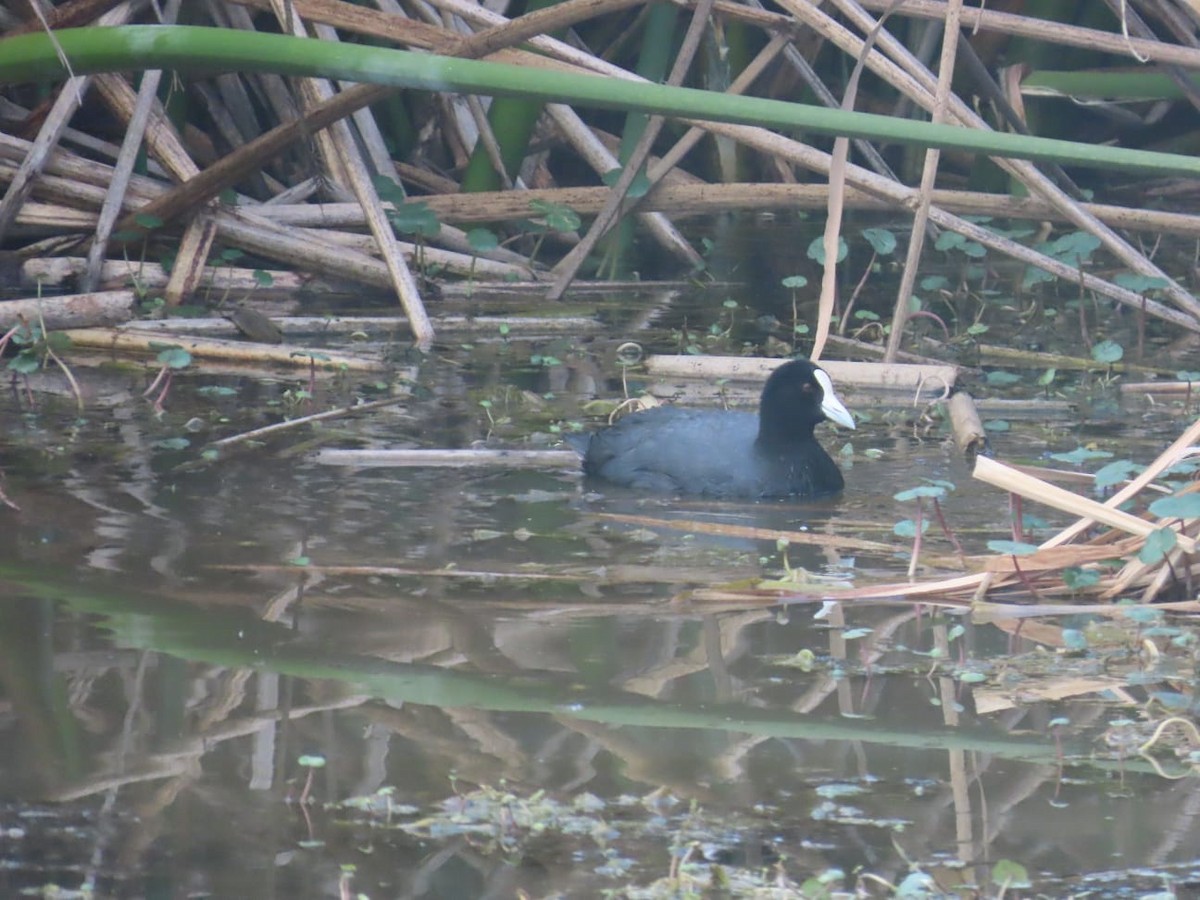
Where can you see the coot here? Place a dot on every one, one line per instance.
(722, 453)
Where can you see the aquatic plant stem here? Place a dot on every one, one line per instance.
(199, 49)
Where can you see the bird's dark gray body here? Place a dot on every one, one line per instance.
(718, 453)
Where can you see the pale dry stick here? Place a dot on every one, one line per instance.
(213, 348)
(70, 98)
(916, 242)
(766, 141)
(166, 144)
(70, 311)
(163, 142)
(896, 376)
(342, 158)
(814, 82)
(365, 125)
(1009, 479)
(314, 91)
(434, 457)
(452, 260)
(833, 230)
(1045, 31)
(669, 160)
(568, 267)
(703, 199)
(577, 133)
(969, 434)
(818, 161)
(542, 21)
(239, 97)
(1135, 571)
(807, 538)
(123, 168)
(299, 247)
(585, 142)
(54, 271)
(274, 88)
(484, 328)
(909, 72)
(1165, 460)
(199, 186)
(1131, 21)
(279, 427)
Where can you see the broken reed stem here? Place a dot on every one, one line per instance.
(1009, 479)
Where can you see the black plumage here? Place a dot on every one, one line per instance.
(723, 453)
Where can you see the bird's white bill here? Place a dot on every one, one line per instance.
(831, 405)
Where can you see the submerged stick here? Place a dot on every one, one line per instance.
(454, 459)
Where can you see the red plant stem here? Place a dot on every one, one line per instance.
(941, 518)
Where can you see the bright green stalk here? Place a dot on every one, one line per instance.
(194, 49)
(512, 121)
(656, 52)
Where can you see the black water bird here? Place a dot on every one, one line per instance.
(724, 453)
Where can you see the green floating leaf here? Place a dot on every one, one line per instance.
(1035, 276)
(882, 240)
(1012, 548)
(416, 218)
(175, 358)
(1159, 543)
(1074, 248)
(795, 281)
(1047, 378)
(925, 490)
(388, 189)
(24, 363)
(1114, 473)
(916, 885)
(482, 240)
(1107, 352)
(1187, 375)
(1076, 578)
(952, 240)
(1141, 284)
(1080, 455)
(907, 528)
(639, 187)
(558, 217)
(263, 277)
(1074, 639)
(816, 249)
(934, 283)
(1177, 506)
(1001, 378)
(58, 341)
(997, 425)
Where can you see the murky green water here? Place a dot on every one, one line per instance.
(512, 679)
